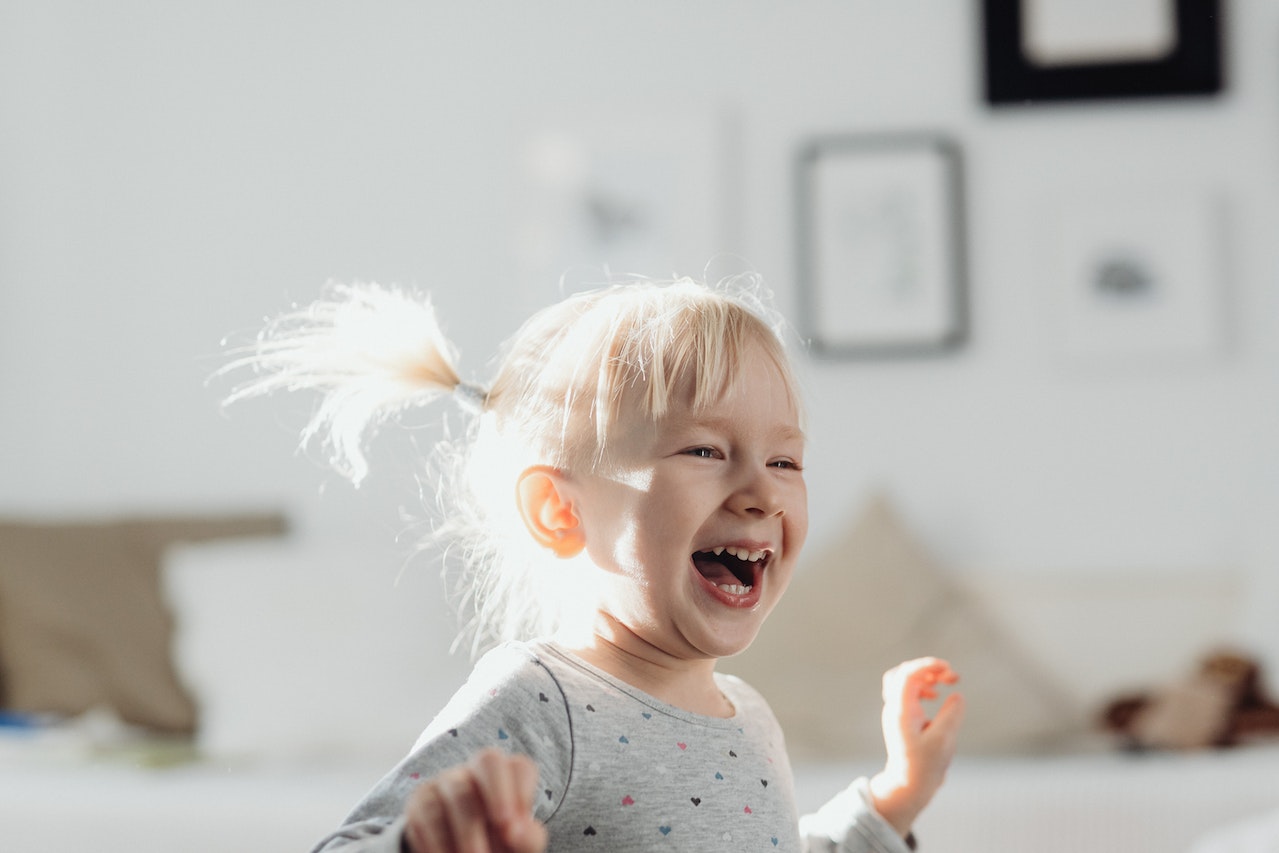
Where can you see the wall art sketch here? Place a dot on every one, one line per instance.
(880, 245)
(1137, 277)
(607, 193)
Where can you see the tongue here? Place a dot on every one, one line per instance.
(714, 571)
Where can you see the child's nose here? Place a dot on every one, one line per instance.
(757, 496)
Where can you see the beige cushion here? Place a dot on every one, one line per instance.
(83, 621)
(868, 601)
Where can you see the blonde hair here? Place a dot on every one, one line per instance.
(563, 382)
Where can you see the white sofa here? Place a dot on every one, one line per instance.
(315, 666)
(1099, 803)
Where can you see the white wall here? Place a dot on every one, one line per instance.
(171, 173)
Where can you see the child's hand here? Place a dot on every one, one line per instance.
(919, 749)
(482, 806)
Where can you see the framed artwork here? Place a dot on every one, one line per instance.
(1055, 50)
(1136, 278)
(880, 245)
(605, 193)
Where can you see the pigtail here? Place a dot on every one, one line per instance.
(370, 351)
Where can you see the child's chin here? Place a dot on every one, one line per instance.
(726, 644)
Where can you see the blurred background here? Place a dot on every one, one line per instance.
(173, 173)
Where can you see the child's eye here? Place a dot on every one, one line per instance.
(786, 464)
(703, 452)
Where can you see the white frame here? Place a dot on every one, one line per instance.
(1175, 311)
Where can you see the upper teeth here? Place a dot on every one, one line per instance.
(740, 553)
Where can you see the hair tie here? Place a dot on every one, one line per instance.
(470, 396)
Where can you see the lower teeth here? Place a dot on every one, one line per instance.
(734, 589)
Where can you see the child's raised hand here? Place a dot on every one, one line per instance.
(482, 806)
(919, 749)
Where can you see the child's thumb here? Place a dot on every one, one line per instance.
(949, 716)
(525, 833)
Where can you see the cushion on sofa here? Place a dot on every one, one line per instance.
(867, 601)
(83, 621)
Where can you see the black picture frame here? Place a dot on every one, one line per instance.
(1193, 67)
(881, 266)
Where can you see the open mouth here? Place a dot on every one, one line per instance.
(733, 570)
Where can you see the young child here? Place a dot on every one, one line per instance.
(647, 439)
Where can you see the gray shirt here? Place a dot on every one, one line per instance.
(620, 770)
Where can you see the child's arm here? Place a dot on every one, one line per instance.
(510, 706)
(485, 804)
(919, 749)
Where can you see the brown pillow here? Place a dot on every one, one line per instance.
(869, 601)
(83, 620)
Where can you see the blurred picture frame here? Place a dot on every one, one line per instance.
(1062, 50)
(880, 246)
(607, 192)
(1137, 277)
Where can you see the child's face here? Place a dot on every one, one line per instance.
(698, 519)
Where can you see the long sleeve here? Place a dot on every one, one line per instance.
(509, 702)
(848, 823)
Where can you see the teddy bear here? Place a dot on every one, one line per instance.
(1221, 703)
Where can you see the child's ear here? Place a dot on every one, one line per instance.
(547, 511)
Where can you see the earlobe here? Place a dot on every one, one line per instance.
(548, 513)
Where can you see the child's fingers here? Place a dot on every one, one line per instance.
(525, 834)
(949, 717)
(483, 806)
(425, 830)
(493, 778)
(446, 813)
(528, 837)
(917, 678)
(508, 783)
(464, 811)
(906, 686)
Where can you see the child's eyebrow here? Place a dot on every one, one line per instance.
(781, 432)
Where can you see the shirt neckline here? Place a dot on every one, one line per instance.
(556, 650)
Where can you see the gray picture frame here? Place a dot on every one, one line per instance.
(880, 245)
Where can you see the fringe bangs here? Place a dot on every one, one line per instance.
(687, 344)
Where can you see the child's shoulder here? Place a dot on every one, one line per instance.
(509, 664)
(731, 683)
(508, 684)
(746, 699)
(523, 668)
